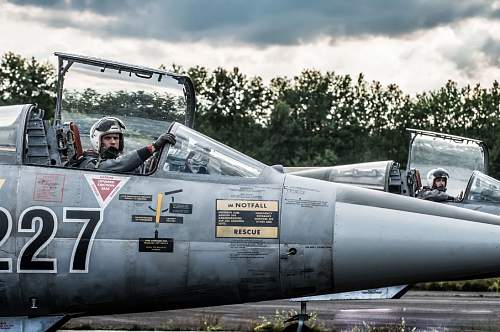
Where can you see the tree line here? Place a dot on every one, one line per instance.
(312, 119)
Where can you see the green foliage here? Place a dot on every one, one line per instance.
(210, 323)
(320, 119)
(230, 108)
(158, 106)
(27, 81)
(277, 322)
(476, 285)
(312, 119)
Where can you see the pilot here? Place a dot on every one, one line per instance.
(437, 180)
(106, 137)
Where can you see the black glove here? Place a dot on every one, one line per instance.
(166, 138)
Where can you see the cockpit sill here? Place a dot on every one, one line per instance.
(149, 101)
(465, 159)
(19, 153)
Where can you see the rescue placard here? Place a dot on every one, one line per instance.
(246, 219)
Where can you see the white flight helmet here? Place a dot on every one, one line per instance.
(435, 174)
(104, 126)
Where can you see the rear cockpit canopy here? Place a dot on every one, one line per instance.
(459, 156)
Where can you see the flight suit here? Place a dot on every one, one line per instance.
(435, 195)
(124, 163)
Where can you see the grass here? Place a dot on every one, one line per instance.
(277, 322)
(476, 285)
(210, 323)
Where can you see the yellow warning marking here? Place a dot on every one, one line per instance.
(159, 203)
(2, 181)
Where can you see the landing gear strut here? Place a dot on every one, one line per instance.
(298, 321)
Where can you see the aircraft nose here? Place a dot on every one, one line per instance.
(378, 244)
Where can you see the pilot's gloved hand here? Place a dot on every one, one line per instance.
(166, 138)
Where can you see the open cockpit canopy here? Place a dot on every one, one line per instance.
(147, 103)
(147, 100)
(460, 156)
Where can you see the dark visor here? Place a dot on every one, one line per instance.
(106, 124)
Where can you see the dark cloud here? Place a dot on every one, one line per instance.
(266, 22)
(491, 50)
(467, 58)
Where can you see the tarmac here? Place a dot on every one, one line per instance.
(424, 311)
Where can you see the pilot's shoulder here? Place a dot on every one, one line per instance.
(90, 154)
(425, 191)
(88, 159)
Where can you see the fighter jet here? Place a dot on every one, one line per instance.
(199, 223)
(464, 159)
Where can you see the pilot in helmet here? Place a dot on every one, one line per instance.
(106, 137)
(107, 140)
(437, 180)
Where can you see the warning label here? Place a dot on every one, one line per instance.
(49, 188)
(105, 187)
(135, 197)
(9, 325)
(163, 219)
(237, 205)
(247, 219)
(156, 245)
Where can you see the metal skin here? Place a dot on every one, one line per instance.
(331, 238)
(77, 242)
(466, 158)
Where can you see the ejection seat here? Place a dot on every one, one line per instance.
(77, 142)
(50, 145)
(73, 150)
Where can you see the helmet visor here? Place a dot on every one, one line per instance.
(106, 124)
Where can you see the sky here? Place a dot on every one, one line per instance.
(417, 44)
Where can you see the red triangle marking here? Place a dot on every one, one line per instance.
(105, 187)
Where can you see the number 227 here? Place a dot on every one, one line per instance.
(28, 260)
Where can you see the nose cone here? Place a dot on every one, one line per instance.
(383, 239)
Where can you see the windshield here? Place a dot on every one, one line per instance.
(459, 157)
(198, 154)
(373, 175)
(483, 188)
(9, 122)
(147, 102)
